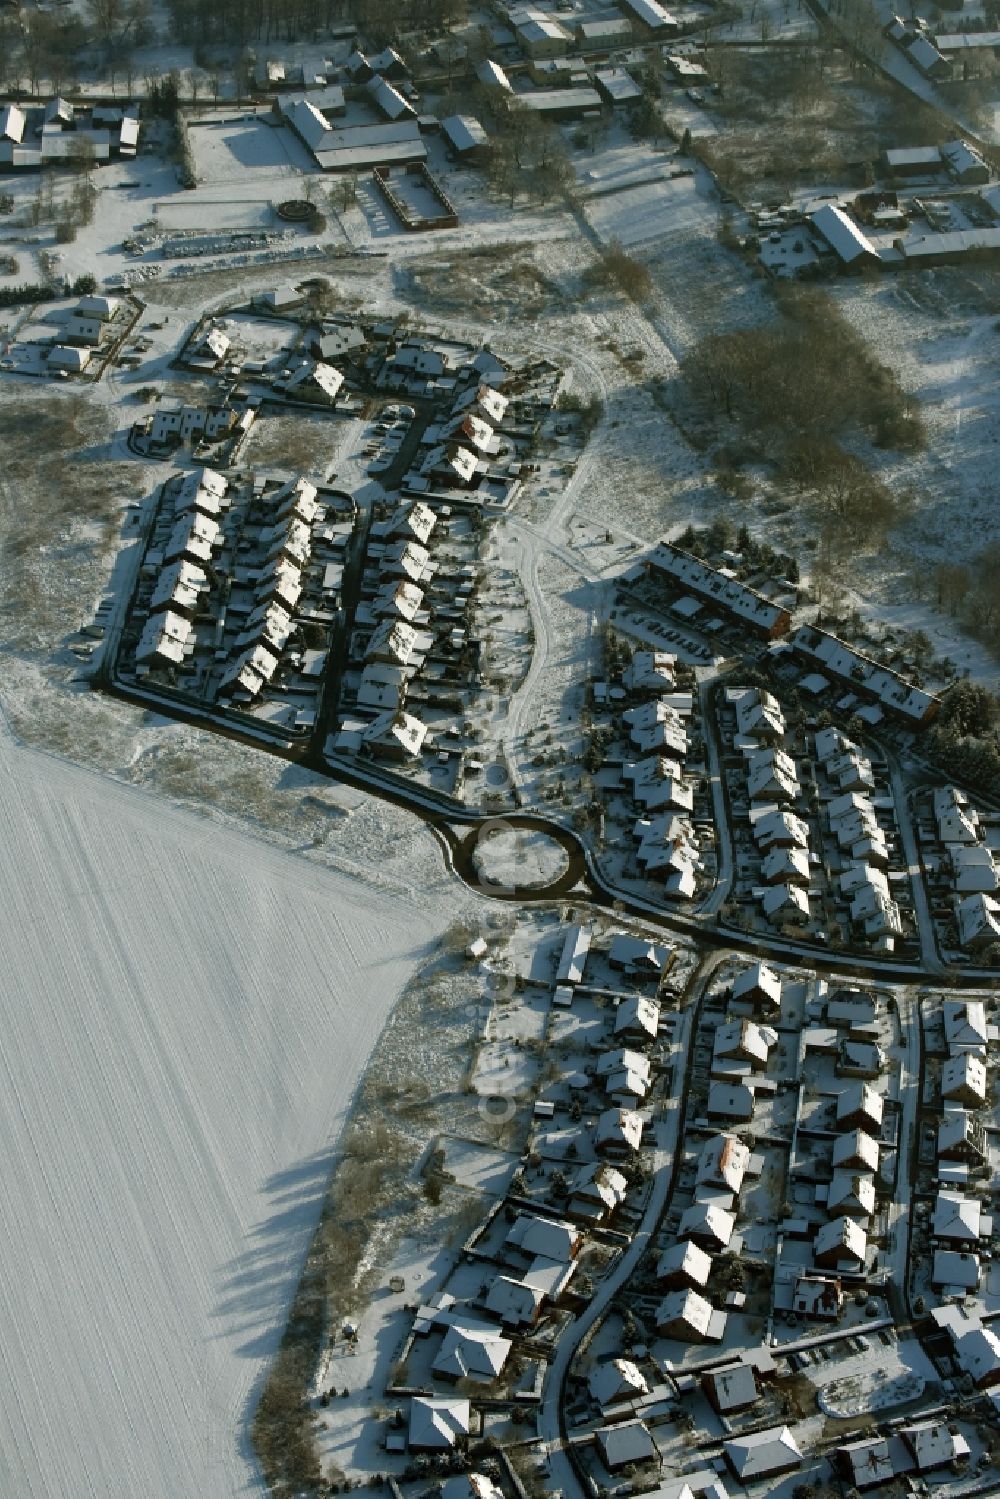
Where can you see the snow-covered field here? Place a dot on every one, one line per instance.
(185, 1013)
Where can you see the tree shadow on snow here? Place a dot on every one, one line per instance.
(257, 1286)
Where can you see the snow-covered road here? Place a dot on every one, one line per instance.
(184, 1014)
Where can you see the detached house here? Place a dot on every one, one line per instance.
(759, 985)
(619, 1132)
(841, 1244)
(963, 1080)
(394, 736)
(689, 1317)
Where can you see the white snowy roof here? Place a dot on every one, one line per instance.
(471, 1353)
(551, 1237)
(723, 1162)
(758, 979)
(978, 1352)
(841, 1238)
(962, 1074)
(841, 233)
(164, 635)
(706, 1221)
(978, 919)
(956, 1217)
(735, 597)
(685, 1258)
(436, 1425)
(965, 1024)
(685, 1307)
(851, 1192)
(619, 1127)
(616, 1379)
(180, 585)
(464, 132)
(637, 1013)
(857, 1147)
(859, 1098)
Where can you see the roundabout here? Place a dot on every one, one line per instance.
(513, 859)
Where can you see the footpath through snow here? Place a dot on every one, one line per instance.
(184, 1014)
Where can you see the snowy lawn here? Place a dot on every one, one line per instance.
(185, 1014)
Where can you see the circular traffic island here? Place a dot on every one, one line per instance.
(514, 859)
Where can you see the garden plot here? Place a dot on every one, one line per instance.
(352, 1368)
(507, 1064)
(178, 1056)
(303, 442)
(654, 211)
(875, 1381)
(260, 337)
(479, 1168)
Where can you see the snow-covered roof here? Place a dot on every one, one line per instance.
(733, 1387)
(573, 959)
(393, 639)
(960, 1135)
(550, 1237)
(965, 1024)
(957, 1217)
(513, 1301)
(685, 1259)
(933, 1444)
(964, 1077)
(179, 586)
(744, 1039)
(627, 1443)
(784, 901)
(782, 863)
(322, 377)
(651, 13)
(851, 1192)
(841, 1238)
(164, 635)
(723, 1162)
(707, 1223)
(856, 1148)
(399, 730)
(859, 1099)
(435, 1424)
(725, 592)
(758, 981)
(978, 1352)
(685, 1308)
(615, 1380)
(493, 76)
(637, 952)
(636, 1013)
(853, 666)
(956, 1267)
(922, 51)
(978, 920)
(842, 234)
(12, 123)
(619, 1127)
(734, 1101)
(464, 132)
(389, 100)
(471, 1353)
